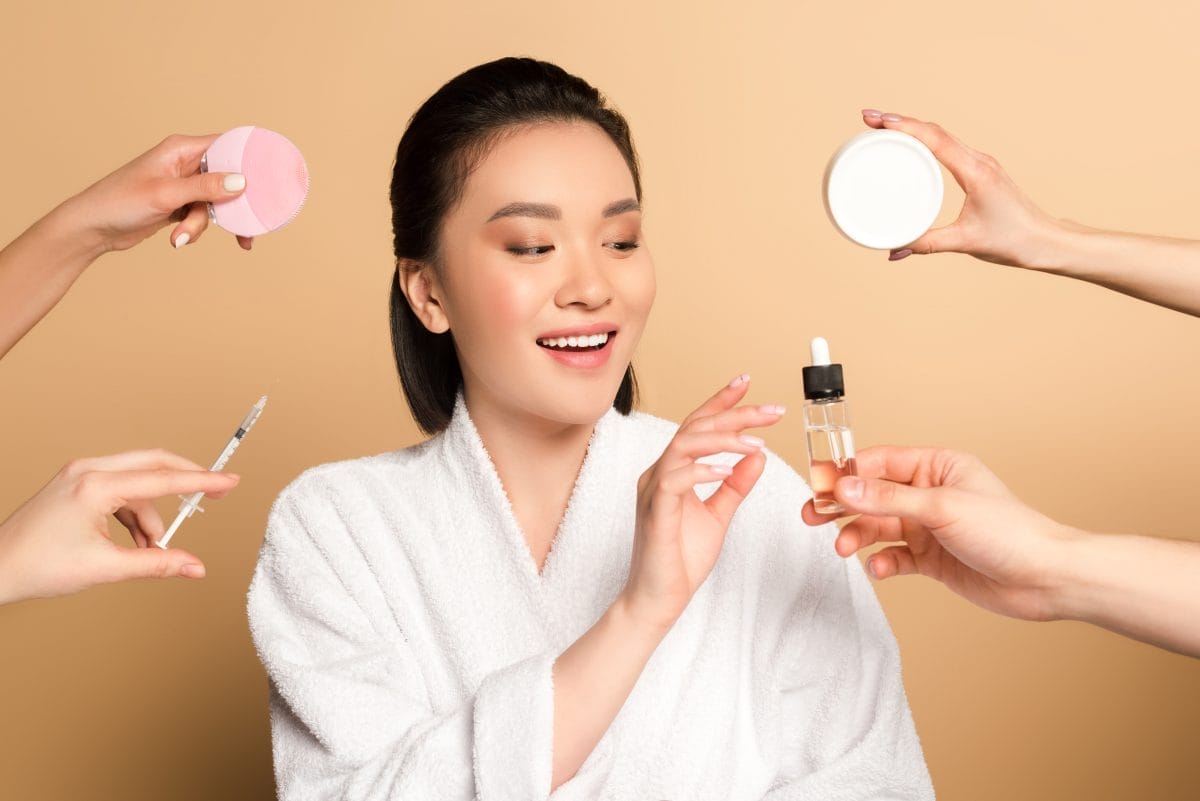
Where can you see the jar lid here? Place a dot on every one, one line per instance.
(883, 189)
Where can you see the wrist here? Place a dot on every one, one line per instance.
(69, 229)
(1061, 243)
(626, 613)
(1069, 575)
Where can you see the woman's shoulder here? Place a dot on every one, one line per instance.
(336, 489)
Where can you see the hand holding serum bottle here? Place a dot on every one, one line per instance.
(827, 428)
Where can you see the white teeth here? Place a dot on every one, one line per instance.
(595, 340)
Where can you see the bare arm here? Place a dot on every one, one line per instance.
(162, 185)
(677, 542)
(1140, 587)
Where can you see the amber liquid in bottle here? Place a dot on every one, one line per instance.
(830, 452)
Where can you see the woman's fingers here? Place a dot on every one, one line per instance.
(697, 444)
(126, 517)
(725, 398)
(117, 489)
(866, 531)
(947, 239)
(149, 521)
(736, 486)
(896, 560)
(147, 459)
(810, 515)
(682, 479)
(193, 224)
(957, 157)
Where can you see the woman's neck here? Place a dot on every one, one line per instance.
(538, 461)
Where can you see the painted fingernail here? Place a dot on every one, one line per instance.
(851, 487)
(192, 571)
(182, 240)
(741, 379)
(873, 567)
(234, 182)
(751, 440)
(891, 117)
(872, 113)
(897, 255)
(721, 469)
(772, 409)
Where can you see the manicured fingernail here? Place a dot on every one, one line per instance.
(851, 487)
(772, 409)
(182, 240)
(234, 182)
(891, 117)
(721, 469)
(897, 255)
(872, 113)
(872, 567)
(192, 571)
(751, 440)
(741, 379)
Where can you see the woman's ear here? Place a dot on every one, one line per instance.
(418, 281)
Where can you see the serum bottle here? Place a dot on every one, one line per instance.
(827, 428)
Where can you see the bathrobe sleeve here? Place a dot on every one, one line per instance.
(847, 732)
(350, 715)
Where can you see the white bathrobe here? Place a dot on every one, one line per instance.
(409, 640)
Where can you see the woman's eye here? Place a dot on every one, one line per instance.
(535, 250)
(623, 247)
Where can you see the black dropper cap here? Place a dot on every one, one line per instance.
(823, 381)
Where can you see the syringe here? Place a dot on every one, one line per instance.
(191, 503)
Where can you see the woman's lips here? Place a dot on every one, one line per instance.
(581, 354)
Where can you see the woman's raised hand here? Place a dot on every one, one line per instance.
(678, 537)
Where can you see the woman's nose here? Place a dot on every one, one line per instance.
(585, 282)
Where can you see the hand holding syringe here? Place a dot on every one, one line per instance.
(191, 503)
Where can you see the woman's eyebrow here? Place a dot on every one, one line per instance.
(545, 211)
(622, 207)
(542, 211)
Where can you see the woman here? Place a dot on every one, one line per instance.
(507, 610)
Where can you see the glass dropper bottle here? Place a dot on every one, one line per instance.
(827, 428)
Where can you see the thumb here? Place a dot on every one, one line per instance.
(946, 239)
(154, 562)
(882, 498)
(205, 186)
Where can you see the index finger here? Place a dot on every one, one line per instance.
(186, 151)
(904, 465)
(136, 460)
(725, 398)
(135, 485)
(946, 148)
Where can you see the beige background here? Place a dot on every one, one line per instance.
(1083, 400)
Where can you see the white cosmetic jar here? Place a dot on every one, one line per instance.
(883, 189)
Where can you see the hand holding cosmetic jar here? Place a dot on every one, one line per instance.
(883, 189)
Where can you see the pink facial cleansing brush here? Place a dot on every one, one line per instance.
(276, 180)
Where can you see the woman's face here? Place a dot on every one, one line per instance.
(545, 280)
